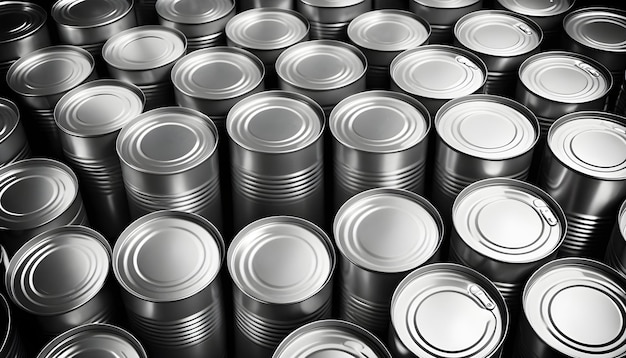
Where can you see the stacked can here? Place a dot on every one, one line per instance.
(37, 195)
(282, 269)
(381, 35)
(382, 235)
(202, 22)
(168, 264)
(144, 56)
(329, 19)
(586, 156)
(442, 15)
(447, 310)
(13, 143)
(40, 79)
(169, 161)
(243, 5)
(616, 250)
(90, 118)
(277, 157)
(380, 139)
(573, 307)
(11, 345)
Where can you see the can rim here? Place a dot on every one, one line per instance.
(38, 9)
(167, 15)
(507, 5)
(55, 12)
(15, 109)
(572, 14)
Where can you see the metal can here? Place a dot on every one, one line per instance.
(168, 265)
(11, 346)
(244, 5)
(13, 143)
(447, 310)
(282, 270)
(586, 155)
(573, 307)
(382, 235)
(329, 19)
(442, 15)
(331, 337)
(616, 250)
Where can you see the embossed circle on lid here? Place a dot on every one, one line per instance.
(9, 118)
(89, 13)
(267, 28)
(192, 11)
(388, 30)
(538, 8)
(598, 28)
(19, 19)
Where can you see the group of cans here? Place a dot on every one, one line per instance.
(312, 178)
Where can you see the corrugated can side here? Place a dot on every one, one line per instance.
(443, 15)
(13, 142)
(10, 342)
(616, 251)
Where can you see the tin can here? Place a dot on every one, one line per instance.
(90, 118)
(616, 250)
(573, 307)
(13, 143)
(442, 15)
(371, 268)
(244, 5)
(447, 310)
(329, 19)
(282, 269)
(383, 34)
(11, 346)
(331, 337)
(586, 155)
(168, 264)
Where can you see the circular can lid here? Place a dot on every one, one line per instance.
(267, 28)
(331, 338)
(144, 48)
(538, 8)
(332, 3)
(388, 230)
(591, 142)
(218, 73)
(34, 192)
(438, 71)
(89, 13)
(19, 19)
(508, 220)
(275, 122)
(167, 256)
(447, 4)
(58, 270)
(578, 307)
(321, 65)
(94, 339)
(444, 307)
(513, 128)
(98, 107)
(50, 70)
(565, 77)
(388, 30)
(192, 11)
(281, 260)
(9, 118)
(598, 28)
(167, 140)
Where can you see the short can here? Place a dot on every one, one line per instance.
(24, 30)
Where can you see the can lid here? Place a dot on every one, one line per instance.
(442, 308)
(89, 13)
(98, 107)
(192, 11)
(565, 77)
(447, 4)
(167, 140)
(598, 28)
(50, 70)
(438, 71)
(388, 230)
(9, 118)
(513, 128)
(388, 30)
(281, 259)
(19, 19)
(34, 192)
(167, 256)
(578, 307)
(538, 8)
(144, 47)
(275, 122)
(267, 28)
(508, 220)
(591, 142)
(331, 3)
(321, 64)
(58, 270)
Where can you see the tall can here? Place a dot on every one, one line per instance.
(282, 272)
(243, 5)
(168, 264)
(382, 235)
(13, 142)
(447, 310)
(616, 251)
(442, 15)
(11, 345)
(330, 19)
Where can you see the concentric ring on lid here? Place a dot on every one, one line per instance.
(19, 20)
(598, 28)
(89, 13)
(267, 28)
(388, 30)
(9, 118)
(538, 8)
(167, 256)
(194, 12)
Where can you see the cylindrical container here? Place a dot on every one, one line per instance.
(277, 157)
(37, 195)
(94, 340)
(13, 143)
(381, 35)
(446, 310)
(391, 4)
(168, 265)
(616, 251)
(325, 70)
(61, 277)
(573, 307)
(89, 119)
(144, 56)
(442, 15)
(282, 269)
(435, 74)
(169, 161)
(478, 137)
(331, 337)
(40, 79)
(329, 19)
(382, 235)
(11, 345)
(380, 139)
(244, 5)
(584, 170)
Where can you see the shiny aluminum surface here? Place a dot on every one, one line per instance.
(13, 143)
(22, 30)
(548, 15)
(195, 18)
